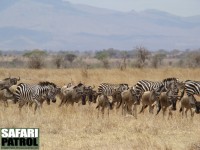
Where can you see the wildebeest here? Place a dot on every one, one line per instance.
(89, 94)
(148, 99)
(72, 94)
(8, 93)
(7, 83)
(128, 102)
(103, 102)
(185, 104)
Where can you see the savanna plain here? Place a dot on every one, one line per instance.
(78, 128)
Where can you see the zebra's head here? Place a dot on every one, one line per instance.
(51, 95)
(172, 95)
(169, 81)
(136, 95)
(123, 87)
(52, 90)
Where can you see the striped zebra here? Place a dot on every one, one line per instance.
(113, 90)
(192, 88)
(145, 85)
(108, 89)
(34, 93)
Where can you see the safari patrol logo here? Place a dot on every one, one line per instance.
(20, 138)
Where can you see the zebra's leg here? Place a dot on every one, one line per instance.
(37, 106)
(21, 104)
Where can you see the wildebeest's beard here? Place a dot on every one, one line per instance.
(83, 99)
(197, 108)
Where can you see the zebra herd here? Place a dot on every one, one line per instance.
(163, 94)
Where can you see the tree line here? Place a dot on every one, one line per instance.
(140, 57)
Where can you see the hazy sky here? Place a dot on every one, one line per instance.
(177, 7)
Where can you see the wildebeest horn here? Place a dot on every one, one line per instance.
(93, 87)
(18, 79)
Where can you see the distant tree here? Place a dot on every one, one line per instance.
(103, 57)
(70, 57)
(194, 59)
(142, 55)
(36, 58)
(157, 60)
(58, 60)
(124, 57)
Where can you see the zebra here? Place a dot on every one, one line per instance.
(34, 93)
(145, 85)
(114, 90)
(108, 89)
(192, 88)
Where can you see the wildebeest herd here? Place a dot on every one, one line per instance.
(163, 95)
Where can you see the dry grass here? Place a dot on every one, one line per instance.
(79, 128)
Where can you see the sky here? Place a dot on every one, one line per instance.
(183, 8)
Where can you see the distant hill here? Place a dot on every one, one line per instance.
(60, 25)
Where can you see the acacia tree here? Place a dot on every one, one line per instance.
(70, 58)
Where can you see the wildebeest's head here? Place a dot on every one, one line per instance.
(197, 109)
(8, 82)
(13, 81)
(154, 95)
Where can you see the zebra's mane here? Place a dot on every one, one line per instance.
(170, 79)
(46, 83)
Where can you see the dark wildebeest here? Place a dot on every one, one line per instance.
(72, 94)
(6, 84)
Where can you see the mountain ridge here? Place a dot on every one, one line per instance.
(61, 25)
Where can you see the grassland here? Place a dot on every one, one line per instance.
(78, 127)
